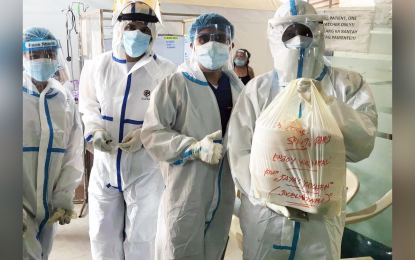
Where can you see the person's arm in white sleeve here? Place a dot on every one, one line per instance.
(240, 135)
(72, 167)
(88, 102)
(159, 139)
(357, 116)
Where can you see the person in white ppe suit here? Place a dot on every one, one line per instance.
(52, 144)
(185, 129)
(296, 39)
(115, 90)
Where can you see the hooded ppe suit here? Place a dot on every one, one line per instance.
(197, 204)
(125, 188)
(52, 151)
(268, 235)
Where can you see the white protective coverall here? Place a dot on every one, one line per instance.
(115, 99)
(197, 204)
(52, 161)
(267, 235)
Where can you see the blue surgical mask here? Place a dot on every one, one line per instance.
(40, 69)
(299, 42)
(135, 43)
(240, 62)
(212, 55)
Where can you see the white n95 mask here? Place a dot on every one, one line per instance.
(40, 69)
(299, 42)
(135, 43)
(212, 55)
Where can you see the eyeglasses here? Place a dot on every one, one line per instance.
(203, 38)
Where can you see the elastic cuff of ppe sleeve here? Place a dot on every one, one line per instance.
(90, 136)
(193, 151)
(63, 203)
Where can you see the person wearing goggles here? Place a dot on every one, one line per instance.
(52, 144)
(296, 39)
(186, 130)
(244, 72)
(125, 186)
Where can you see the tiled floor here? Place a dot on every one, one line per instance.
(72, 242)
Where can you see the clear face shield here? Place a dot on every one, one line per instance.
(297, 48)
(43, 59)
(212, 49)
(126, 10)
(241, 58)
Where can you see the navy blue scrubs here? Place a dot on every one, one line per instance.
(223, 96)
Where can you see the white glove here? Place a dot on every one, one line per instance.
(131, 142)
(24, 223)
(64, 216)
(304, 90)
(102, 141)
(206, 150)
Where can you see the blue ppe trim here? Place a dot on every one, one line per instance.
(293, 247)
(164, 187)
(149, 12)
(37, 47)
(30, 92)
(220, 191)
(203, 83)
(185, 155)
(133, 10)
(190, 152)
(88, 138)
(108, 118)
(281, 247)
(300, 111)
(323, 73)
(51, 96)
(300, 64)
(121, 132)
(133, 122)
(155, 57)
(30, 149)
(119, 61)
(56, 150)
(47, 162)
(276, 75)
(109, 186)
(295, 240)
(50, 150)
(292, 7)
(119, 153)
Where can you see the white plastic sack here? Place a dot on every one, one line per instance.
(298, 155)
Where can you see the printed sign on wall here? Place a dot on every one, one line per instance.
(348, 29)
(170, 47)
